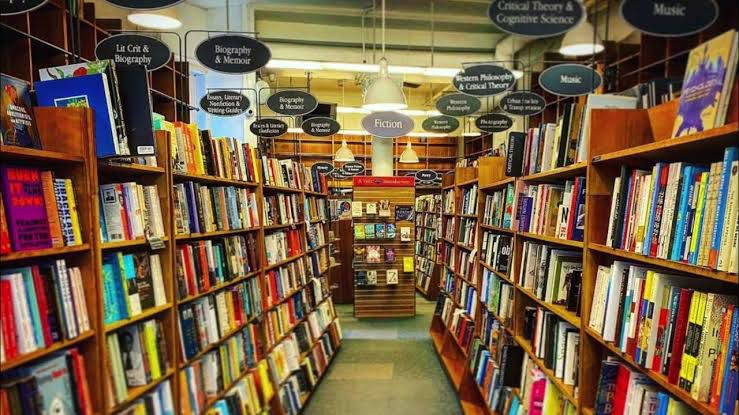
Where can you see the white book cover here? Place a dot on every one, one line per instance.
(601, 283)
(730, 234)
(611, 219)
(560, 349)
(571, 364)
(671, 196)
(546, 157)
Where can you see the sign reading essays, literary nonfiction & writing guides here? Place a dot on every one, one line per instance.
(224, 103)
(268, 127)
(536, 18)
(292, 102)
(570, 79)
(387, 124)
(232, 53)
(133, 49)
(483, 80)
(522, 103)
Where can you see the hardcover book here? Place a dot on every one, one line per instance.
(371, 208)
(356, 209)
(24, 208)
(379, 230)
(405, 233)
(372, 277)
(18, 125)
(390, 231)
(374, 253)
(389, 254)
(392, 276)
(384, 208)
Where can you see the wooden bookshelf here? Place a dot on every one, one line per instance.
(427, 283)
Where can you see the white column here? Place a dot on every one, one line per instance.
(382, 156)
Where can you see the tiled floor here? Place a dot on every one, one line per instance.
(385, 367)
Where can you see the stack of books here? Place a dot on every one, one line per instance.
(132, 284)
(499, 208)
(282, 282)
(130, 211)
(554, 341)
(553, 210)
(281, 245)
(552, 274)
(200, 208)
(282, 209)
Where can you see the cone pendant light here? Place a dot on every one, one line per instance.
(344, 153)
(581, 41)
(409, 154)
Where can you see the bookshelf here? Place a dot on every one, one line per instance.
(428, 229)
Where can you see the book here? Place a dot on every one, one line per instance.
(371, 208)
(384, 208)
(23, 200)
(391, 276)
(405, 233)
(408, 264)
(18, 122)
(357, 209)
(374, 254)
(372, 277)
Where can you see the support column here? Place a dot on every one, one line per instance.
(382, 156)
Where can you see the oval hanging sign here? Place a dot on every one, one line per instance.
(484, 80)
(458, 104)
(320, 126)
(224, 103)
(144, 4)
(669, 18)
(426, 175)
(268, 127)
(132, 49)
(570, 79)
(387, 124)
(494, 122)
(8, 8)
(536, 18)
(292, 102)
(338, 174)
(233, 53)
(352, 168)
(322, 167)
(523, 103)
(440, 124)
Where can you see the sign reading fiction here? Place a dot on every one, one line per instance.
(268, 127)
(8, 8)
(292, 102)
(570, 79)
(131, 49)
(352, 168)
(458, 104)
(440, 124)
(320, 126)
(233, 53)
(426, 175)
(494, 122)
(144, 4)
(536, 18)
(483, 80)
(669, 17)
(387, 124)
(522, 103)
(224, 103)
(322, 167)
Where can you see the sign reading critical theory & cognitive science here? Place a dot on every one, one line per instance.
(224, 103)
(536, 18)
(133, 49)
(232, 53)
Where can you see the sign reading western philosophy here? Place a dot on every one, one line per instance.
(536, 18)
(320, 126)
(8, 7)
(268, 127)
(133, 49)
(522, 103)
(570, 79)
(440, 124)
(484, 80)
(458, 104)
(387, 124)
(494, 122)
(233, 53)
(292, 102)
(669, 17)
(224, 103)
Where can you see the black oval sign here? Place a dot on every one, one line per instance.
(268, 127)
(536, 18)
(523, 103)
(426, 175)
(322, 167)
(232, 53)
(669, 17)
(338, 174)
(224, 103)
(458, 104)
(144, 4)
(131, 49)
(570, 79)
(484, 80)
(440, 124)
(352, 168)
(292, 102)
(494, 122)
(8, 8)
(320, 126)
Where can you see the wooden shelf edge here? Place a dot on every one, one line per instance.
(38, 354)
(15, 152)
(551, 239)
(41, 253)
(144, 315)
(566, 390)
(559, 173)
(558, 310)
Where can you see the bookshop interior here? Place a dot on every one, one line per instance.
(369, 207)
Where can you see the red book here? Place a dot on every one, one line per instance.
(189, 277)
(7, 320)
(291, 313)
(664, 173)
(573, 207)
(80, 380)
(43, 305)
(681, 326)
(204, 266)
(124, 209)
(622, 389)
(661, 345)
(632, 341)
(25, 212)
(273, 292)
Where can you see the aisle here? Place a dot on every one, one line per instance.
(385, 367)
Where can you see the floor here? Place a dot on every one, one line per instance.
(385, 366)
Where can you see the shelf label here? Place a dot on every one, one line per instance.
(155, 243)
(426, 176)
(483, 80)
(292, 102)
(232, 53)
(523, 103)
(268, 127)
(669, 18)
(144, 4)
(352, 168)
(440, 124)
(322, 167)
(132, 49)
(224, 103)
(320, 126)
(570, 79)
(8, 8)
(536, 18)
(494, 122)
(387, 124)
(458, 104)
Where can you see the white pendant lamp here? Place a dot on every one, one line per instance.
(344, 153)
(384, 94)
(409, 154)
(581, 41)
(163, 19)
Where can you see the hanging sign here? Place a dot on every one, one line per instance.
(320, 126)
(387, 124)
(132, 49)
(8, 8)
(570, 79)
(536, 18)
(522, 103)
(483, 80)
(144, 4)
(338, 174)
(440, 124)
(233, 53)
(224, 103)
(292, 102)
(458, 104)
(268, 127)
(494, 122)
(322, 167)
(426, 183)
(669, 18)
(352, 168)
(426, 175)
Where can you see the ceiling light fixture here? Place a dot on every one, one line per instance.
(361, 67)
(344, 153)
(581, 41)
(164, 19)
(409, 154)
(471, 134)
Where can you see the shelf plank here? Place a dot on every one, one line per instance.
(43, 253)
(567, 390)
(185, 177)
(567, 172)
(552, 239)
(139, 391)
(128, 169)
(190, 236)
(559, 310)
(37, 354)
(498, 184)
(144, 315)
(497, 229)
(15, 153)
(218, 287)
(105, 246)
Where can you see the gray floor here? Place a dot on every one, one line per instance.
(385, 366)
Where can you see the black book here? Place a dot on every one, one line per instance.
(551, 328)
(133, 88)
(529, 323)
(514, 158)
(574, 283)
(510, 365)
(564, 135)
(620, 208)
(53, 305)
(205, 145)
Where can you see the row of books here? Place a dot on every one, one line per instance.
(157, 401)
(39, 306)
(449, 203)
(423, 281)
(282, 282)
(427, 252)
(668, 324)
(497, 251)
(200, 208)
(552, 274)
(539, 395)
(499, 207)
(427, 236)
(282, 209)
(655, 92)
(282, 318)
(37, 210)
(495, 370)
(374, 254)
(286, 173)
(427, 219)
(316, 208)
(449, 227)
(552, 210)
(315, 234)
(132, 283)
(130, 211)
(283, 244)
(679, 211)
(467, 232)
(497, 295)
(468, 201)
(379, 231)
(460, 323)
(428, 204)
(250, 395)
(554, 341)
(462, 262)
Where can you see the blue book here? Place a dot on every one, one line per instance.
(54, 390)
(656, 174)
(730, 154)
(578, 231)
(731, 372)
(686, 193)
(692, 213)
(89, 91)
(192, 207)
(625, 317)
(525, 215)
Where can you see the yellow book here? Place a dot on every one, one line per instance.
(256, 165)
(253, 405)
(140, 409)
(265, 382)
(408, 264)
(150, 340)
(698, 221)
(230, 311)
(646, 327)
(552, 398)
(195, 136)
(73, 211)
(233, 349)
(225, 370)
(691, 320)
(184, 394)
(169, 127)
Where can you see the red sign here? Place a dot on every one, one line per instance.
(372, 181)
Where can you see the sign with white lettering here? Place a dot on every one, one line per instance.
(440, 124)
(352, 168)
(522, 103)
(338, 174)
(387, 124)
(669, 18)
(8, 8)
(224, 103)
(536, 18)
(426, 175)
(458, 104)
(322, 167)
(494, 122)
(570, 79)
(144, 4)
(233, 53)
(320, 126)
(133, 49)
(484, 80)
(268, 127)
(292, 102)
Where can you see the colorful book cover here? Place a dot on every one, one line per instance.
(391, 276)
(359, 231)
(408, 264)
(372, 277)
(54, 386)
(379, 230)
(132, 356)
(390, 231)
(389, 254)
(23, 197)
(374, 253)
(18, 125)
(369, 230)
